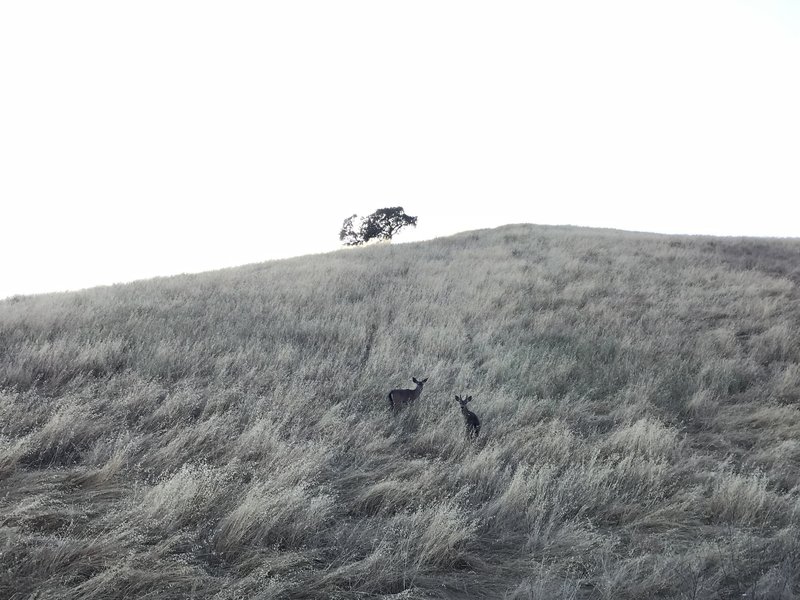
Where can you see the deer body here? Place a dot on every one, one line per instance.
(471, 420)
(403, 396)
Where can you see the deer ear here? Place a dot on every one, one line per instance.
(468, 398)
(458, 399)
(414, 379)
(424, 380)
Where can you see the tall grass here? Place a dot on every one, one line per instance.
(228, 435)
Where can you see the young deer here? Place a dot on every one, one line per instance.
(406, 396)
(470, 418)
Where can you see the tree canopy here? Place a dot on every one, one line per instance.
(383, 224)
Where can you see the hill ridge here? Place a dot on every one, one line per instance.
(227, 434)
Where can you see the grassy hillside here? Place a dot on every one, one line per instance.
(228, 435)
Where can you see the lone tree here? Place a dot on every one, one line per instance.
(383, 224)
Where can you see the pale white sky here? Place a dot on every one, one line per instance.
(156, 137)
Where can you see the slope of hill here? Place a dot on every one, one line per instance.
(228, 435)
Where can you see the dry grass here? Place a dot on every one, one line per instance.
(227, 435)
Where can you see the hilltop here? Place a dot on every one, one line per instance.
(228, 434)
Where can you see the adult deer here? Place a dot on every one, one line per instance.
(470, 418)
(406, 396)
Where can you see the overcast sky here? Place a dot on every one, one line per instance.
(156, 137)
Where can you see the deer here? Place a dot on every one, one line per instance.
(406, 396)
(471, 420)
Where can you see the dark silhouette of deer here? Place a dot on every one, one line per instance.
(406, 396)
(471, 420)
